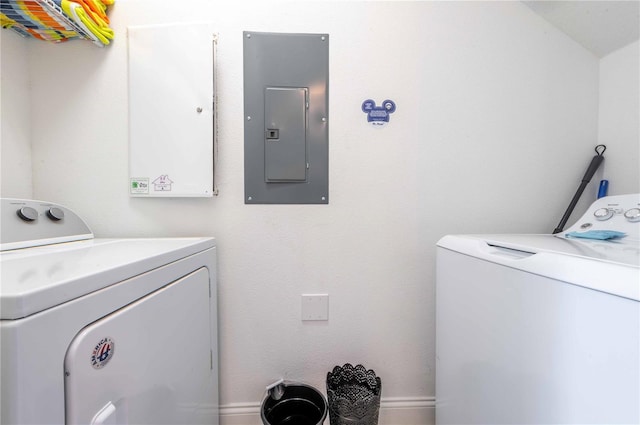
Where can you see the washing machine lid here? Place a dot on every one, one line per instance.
(616, 251)
(607, 266)
(611, 266)
(35, 279)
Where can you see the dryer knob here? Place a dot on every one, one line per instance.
(27, 214)
(633, 214)
(603, 214)
(55, 214)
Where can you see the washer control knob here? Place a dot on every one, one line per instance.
(27, 214)
(55, 214)
(633, 214)
(603, 214)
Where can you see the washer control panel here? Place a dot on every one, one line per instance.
(620, 213)
(632, 214)
(26, 223)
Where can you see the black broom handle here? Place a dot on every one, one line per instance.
(593, 167)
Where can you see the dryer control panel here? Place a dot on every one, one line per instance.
(27, 223)
(619, 213)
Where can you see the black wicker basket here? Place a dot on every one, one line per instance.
(354, 395)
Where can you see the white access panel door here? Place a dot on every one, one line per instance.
(150, 362)
(171, 115)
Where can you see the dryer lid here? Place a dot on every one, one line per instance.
(35, 279)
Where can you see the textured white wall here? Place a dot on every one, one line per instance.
(495, 125)
(619, 118)
(15, 134)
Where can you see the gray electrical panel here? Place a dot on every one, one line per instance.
(286, 118)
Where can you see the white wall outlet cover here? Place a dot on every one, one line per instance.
(315, 306)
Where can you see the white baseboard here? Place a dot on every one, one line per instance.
(240, 414)
(393, 411)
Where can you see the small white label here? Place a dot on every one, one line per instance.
(162, 184)
(102, 353)
(139, 186)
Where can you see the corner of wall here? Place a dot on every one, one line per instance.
(619, 118)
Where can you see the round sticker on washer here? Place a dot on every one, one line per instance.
(102, 353)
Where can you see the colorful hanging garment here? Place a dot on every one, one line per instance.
(93, 23)
(32, 18)
(58, 20)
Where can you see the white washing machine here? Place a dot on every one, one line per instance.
(104, 331)
(541, 329)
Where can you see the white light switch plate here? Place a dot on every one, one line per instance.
(315, 306)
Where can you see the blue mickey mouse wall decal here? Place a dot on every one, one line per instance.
(378, 115)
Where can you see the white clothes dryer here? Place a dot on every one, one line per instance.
(541, 329)
(104, 331)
